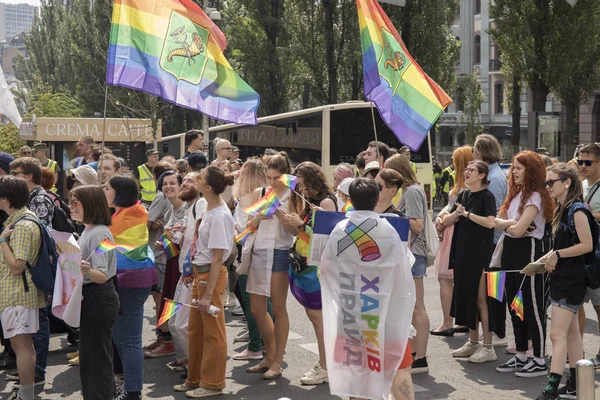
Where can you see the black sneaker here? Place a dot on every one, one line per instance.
(419, 366)
(512, 365)
(596, 361)
(129, 396)
(546, 395)
(38, 381)
(567, 392)
(532, 369)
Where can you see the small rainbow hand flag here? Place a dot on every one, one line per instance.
(242, 237)
(288, 180)
(517, 305)
(495, 284)
(266, 205)
(348, 206)
(171, 307)
(106, 245)
(170, 248)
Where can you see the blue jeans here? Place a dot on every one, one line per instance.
(127, 335)
(41, 342)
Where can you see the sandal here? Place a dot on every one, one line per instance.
(272, 375)
(173, 365)
(258, 369)
(181, 368)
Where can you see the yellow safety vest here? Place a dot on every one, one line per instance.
(436, 180)
(451, 174)
(414, 167)
(147, 184)
(52, 167)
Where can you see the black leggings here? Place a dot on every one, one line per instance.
(517, 253)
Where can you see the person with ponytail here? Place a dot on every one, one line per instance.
(523, 217)
(567, 276)
(268, 273)
(207, 353)
(473, 214)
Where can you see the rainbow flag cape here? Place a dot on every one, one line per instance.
(171, 249)
(348, 206)
(288, 180)
(517, 305)
(243, 236)
(170, 308)
(106, 245)
(171, 49)
(135, 269)
(495, 284)
(408, 100)
(266, 205)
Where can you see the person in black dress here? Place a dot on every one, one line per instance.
(567, 276)
(470, 254)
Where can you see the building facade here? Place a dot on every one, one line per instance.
(16, 19)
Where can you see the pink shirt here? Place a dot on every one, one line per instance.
(536, 200)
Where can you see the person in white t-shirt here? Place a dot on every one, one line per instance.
(207, 351)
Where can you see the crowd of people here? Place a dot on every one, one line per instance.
(542, 211)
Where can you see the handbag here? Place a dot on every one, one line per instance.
(244, 266)
(297, 261)
(496, 261)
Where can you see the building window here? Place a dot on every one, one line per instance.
(477, 50)
(477, 6)
(499, 98)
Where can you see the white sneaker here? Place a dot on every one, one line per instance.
(313, 369)
(316, 376)
(496, 341)
(467, 350)
(230, 301)
(200, 393)
(484, 354)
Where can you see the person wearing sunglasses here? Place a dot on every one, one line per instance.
(567, 276)
(589, 167)
(25, 151)
(523, 217)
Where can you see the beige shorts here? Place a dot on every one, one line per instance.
(19, 320)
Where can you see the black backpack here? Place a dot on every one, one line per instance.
(61, 219)
(43, 273)
(592, 259)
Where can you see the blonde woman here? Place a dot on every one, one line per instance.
(460, 159)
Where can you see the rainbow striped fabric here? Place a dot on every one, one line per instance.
(171, 49)
(106, 245)
(408, 100)
(267, 205)
(518, 306)
(171, 249)
(359, 236)
(288, 180)
(243, 236)
(305, 286)
(348, 206)
(495, 284)
(135, 269)
(170, 308)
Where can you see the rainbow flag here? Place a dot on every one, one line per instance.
(106, 245)
(242, 237)
(170, 308)
(135, 269)
(517, 305)
(171, 249)
(348, 206)
(495, 284)
(266, 205)
(288, 180)
(408, 100)
(171, 49)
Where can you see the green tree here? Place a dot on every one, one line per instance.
(44, 103)
(10, 142)
(470, 95)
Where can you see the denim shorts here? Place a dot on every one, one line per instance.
(562, 303)
(419, 268)
(281, 262)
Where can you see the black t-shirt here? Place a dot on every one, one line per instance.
(568, 279)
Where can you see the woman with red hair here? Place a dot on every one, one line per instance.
(523, 217)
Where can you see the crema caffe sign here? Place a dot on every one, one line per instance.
(115, 129)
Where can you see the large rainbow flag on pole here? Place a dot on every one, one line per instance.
(135, 268)
(408, 100)
(171, 49)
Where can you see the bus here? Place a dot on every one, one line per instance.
(326, 135)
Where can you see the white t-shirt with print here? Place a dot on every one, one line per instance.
(190, 229)
(216, 231)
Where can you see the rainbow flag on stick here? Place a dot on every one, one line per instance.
(517, 305)
(171, 49)
(106, 245)
(408, 100)
(495, 284)
(266, 205)
(242, 237)
(288, 180)
(171, 249)
(170, 308)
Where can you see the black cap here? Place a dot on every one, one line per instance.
(197, 160)
(151, 151)
(40, 146)
(5, 160)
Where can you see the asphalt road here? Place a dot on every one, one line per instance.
(448, 378)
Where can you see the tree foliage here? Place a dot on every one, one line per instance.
(470, 95)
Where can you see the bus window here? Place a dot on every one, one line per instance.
(352, 129)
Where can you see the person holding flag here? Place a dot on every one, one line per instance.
(100, 304)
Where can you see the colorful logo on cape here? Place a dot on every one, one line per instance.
(392, 62)
(184, 49)
(358, 235)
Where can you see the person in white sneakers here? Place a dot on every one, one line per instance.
(473, 214)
